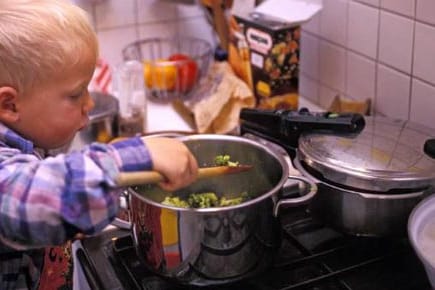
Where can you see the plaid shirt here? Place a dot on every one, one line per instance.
(47, 201)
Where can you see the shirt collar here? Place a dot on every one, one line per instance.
(12, 139)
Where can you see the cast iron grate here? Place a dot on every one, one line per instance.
(311, 257)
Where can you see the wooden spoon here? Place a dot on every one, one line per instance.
(150, 177)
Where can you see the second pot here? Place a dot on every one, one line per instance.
(369, 182)
(362, 213)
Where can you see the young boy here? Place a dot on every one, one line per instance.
(48, 53)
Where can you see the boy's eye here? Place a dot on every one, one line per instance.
(76, 96)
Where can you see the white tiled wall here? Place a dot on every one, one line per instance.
(378, 49)
(120, 22)
(387, 54)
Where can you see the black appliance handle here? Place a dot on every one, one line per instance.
(303, 121)
(429, 148)
(289, 121)
(89, 270)
(286, 126)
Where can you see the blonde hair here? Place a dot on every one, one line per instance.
(41, 38)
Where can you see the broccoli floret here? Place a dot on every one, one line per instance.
(203, 200)
(234, 201)
(230, 201)
(175, 201)
(224, 160)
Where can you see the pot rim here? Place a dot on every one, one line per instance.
(365, 195)
(415, 225)
(273, 190)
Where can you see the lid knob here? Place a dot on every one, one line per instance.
(429, 147)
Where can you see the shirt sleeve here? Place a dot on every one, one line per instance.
(46, 202)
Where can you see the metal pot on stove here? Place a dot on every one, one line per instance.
(218, 245)
(369, 179)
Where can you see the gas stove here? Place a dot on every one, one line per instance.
(311, 256)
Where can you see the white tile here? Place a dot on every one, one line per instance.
(189, 10)
(155, 11)
(326, 96)
(89, 8)
(165, 30)
(370, 2)
(197, 27)
(360, 77)
(313, 25)
(113, 41)
(363, 29)
(332, 65)
(333, 21)
(181, 2)
(86, 5)
(192, 27)
(405, 7)
(423, 103)
(240, 6)
(308, 88)
(309, 55)
(115, 13)
(393, 90)
(395, 41)
(426, 11)
(424, 60)
(157, 30)
(161, 29)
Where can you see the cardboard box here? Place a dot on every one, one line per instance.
(264, 51)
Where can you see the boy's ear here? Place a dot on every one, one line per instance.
(8, 99)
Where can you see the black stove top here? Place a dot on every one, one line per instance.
(311, 256)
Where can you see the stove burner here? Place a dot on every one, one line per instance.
(311, 257)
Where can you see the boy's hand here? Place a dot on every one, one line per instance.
(172, 159)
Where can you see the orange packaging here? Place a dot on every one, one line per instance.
(264, 52)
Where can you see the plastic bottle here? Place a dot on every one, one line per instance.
(129, 88)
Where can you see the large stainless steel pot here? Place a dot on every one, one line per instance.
(370, 182)
(215, 245)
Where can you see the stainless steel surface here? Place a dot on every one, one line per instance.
(219, 245)
(386, 155)
(309, 193)
(360, 212)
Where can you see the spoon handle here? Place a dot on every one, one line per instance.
(150, 177)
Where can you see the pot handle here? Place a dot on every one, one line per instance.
(123, 204)
(298, 200)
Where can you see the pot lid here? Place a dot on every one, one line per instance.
(387, 155)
